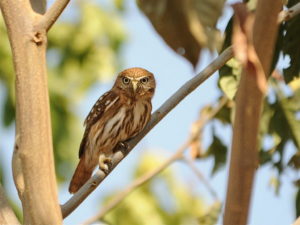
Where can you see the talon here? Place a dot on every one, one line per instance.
(123, 147)
(105, 163)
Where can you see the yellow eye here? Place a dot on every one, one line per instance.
(144, 80)
(126, 80)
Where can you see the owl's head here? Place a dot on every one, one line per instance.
(136, 83)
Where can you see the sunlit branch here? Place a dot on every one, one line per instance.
(174, 100)
(286, 15)
(178, 155)
(52, 14)
(159, 114)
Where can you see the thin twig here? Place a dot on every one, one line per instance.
(191, 163)
(174, 100)
(176, 156)
(52, 14)
(138, 182)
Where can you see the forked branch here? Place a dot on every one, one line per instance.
(52, 14)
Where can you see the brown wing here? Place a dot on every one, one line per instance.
(95, 114)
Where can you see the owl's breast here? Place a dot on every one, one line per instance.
(141, 115)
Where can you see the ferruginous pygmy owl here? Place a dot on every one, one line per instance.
(117, 116)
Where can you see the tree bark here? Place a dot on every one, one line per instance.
(33, 164)
(244, 154)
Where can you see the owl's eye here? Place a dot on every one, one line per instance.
(126, 80)
(144, 80)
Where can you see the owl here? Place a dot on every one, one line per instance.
(117, 116)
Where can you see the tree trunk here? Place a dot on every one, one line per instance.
(33, 164)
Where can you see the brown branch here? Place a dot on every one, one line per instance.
(286, 15)
(52, 14)
(159, 114)
(244, 154)
(7, 215)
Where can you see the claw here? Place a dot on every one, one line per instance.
(122, 146)
(105, 163)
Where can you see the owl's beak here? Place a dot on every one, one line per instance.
(134, 85)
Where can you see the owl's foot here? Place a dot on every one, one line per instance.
(123, 147)
(105, 163)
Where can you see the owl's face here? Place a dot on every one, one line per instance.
(136, 83)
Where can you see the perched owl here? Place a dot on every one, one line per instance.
(117, 116)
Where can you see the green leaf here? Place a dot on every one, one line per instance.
(218, 151)
(229, 79)
(211, 217)
(9, 111)
(164, 199)
(293, 124)
(291, 45)
(224, 114)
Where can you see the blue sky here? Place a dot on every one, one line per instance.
(146, 49)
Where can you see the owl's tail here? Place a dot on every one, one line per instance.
(81, 176)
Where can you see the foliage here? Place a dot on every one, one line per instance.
(291, 45)
(280, 123)
(80, 54)
(163, 200)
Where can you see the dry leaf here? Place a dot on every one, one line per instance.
(186, 25)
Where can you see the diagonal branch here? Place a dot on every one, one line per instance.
(178, 155)
(52, 14)
(185, 90)
(138, 182)
(158, 115)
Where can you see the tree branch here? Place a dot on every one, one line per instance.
(297, 222)
(198, 125)
(191, 163)
(52, 14)
(159, 114)
(137, 183)
(286, 15)
(186, 89)
(7, 215)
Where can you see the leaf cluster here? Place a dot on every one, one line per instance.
(279, 125)
(163, 200)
